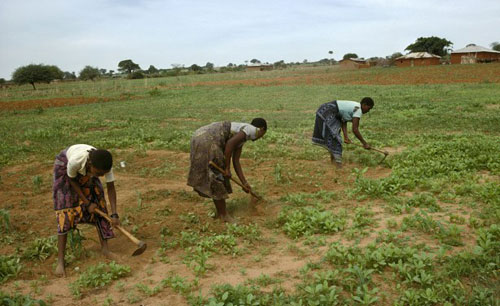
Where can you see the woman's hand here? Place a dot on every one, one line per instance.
(115, 221)
(347, 140)
(246, 187)
(227, 173)
(92, 208)
(367, 146)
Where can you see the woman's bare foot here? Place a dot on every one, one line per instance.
(60, 271)
(227, 219)
(110, 255)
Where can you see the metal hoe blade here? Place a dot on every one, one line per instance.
(142, 247)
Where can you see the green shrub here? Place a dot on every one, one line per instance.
(98, 276)
(310, 220)
(41, 248)
(19, 299)
(10, 266)
(4, 221)
(424, 199)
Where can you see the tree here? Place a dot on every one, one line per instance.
(128, 66)
(209, 66)
(89, 73)
(55, 72)
(152, 69)
(325, 61)
(32, 74)
(279, 64)
(495, 46)
(350, 55)
(102, 71)
(433, 45)
(255, 61)
(391, 58)
(195, 68)
(136, 75)
(69, 75)
(2, 81)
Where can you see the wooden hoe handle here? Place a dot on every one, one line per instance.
(374, 149)
(124, 231)
(234, 180)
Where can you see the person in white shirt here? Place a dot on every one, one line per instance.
(220, 142)
(77, 192)
(332, 117)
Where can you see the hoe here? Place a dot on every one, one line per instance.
(258, 197)
(375, 149)
(141, 245)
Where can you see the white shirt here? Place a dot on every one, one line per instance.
(249, 130)
(349, 110)
(77, 159)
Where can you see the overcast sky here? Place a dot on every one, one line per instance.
(72, 34)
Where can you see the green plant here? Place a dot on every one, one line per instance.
(149, 291)
(155, 92)
(310, 220)
(19, 299)
(457, 219)
(75, 244)
(4, 221)
(365, 296)
(37, 182)
(97, 277)
(424, 199)
(190, 218)
(40, 249)
(178, 284)
(10, 266)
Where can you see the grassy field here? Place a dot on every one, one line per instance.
(420, 228)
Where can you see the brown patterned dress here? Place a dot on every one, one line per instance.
(208, 144)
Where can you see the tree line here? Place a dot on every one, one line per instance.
(40, 73)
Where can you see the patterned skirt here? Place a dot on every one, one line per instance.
(70, 209)
(327, 129)
(208, 144)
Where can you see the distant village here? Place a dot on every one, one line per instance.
(471, 54)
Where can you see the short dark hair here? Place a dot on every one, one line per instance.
(368, 101)
(101, 159)
(259, 123)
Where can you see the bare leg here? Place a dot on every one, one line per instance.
(220, 206)
(61, 248)
(105, 249)
(337, 160)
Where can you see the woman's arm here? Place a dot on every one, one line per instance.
(344, 131)
(76, 187)
(238, 169)
(231, 146)
(355, 130)
(112, 200)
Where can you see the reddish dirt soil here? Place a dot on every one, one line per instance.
(46, 103)
(275, 255)
(56, 102)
